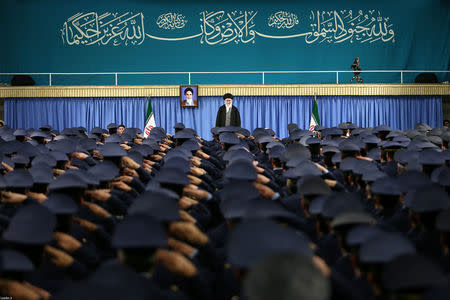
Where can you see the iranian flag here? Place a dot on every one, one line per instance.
(315, 119)
(149, 119)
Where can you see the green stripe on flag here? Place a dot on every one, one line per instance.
(315, 119)
(149, 111)
(149, 119)
(315, 111)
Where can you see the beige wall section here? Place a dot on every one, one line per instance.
(219, 90)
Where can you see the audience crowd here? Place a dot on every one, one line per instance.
(334, 213)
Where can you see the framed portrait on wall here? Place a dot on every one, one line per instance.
(189, 95)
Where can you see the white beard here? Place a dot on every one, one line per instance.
(228, 107)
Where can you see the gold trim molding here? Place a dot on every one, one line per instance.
(219, 90)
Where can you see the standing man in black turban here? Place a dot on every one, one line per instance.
(228, 114)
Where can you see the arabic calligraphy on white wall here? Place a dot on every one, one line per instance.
(236, 27)
(340, 26)
(109, 28)
(283, 19)
(222, 28)
(171, 21)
